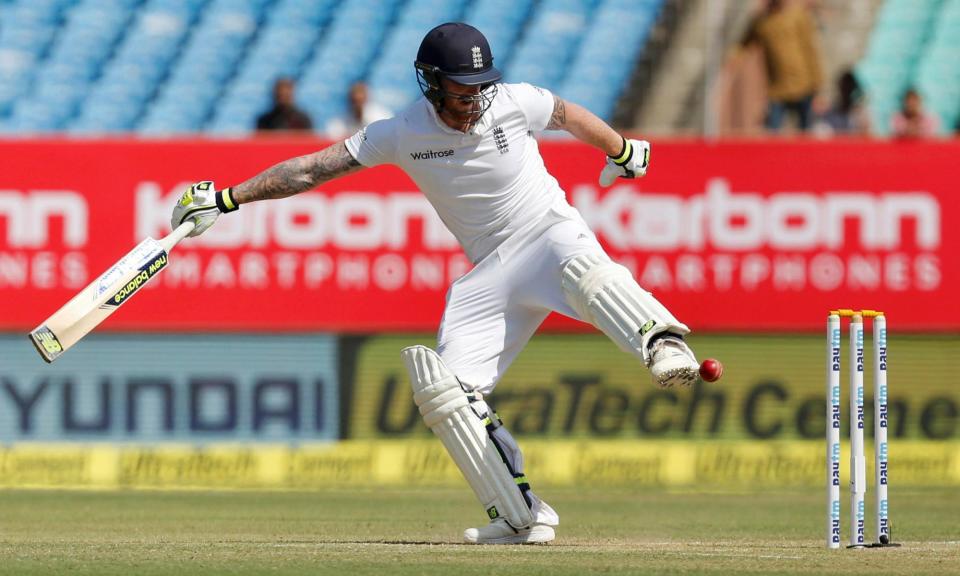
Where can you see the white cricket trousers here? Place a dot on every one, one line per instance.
(494, 309)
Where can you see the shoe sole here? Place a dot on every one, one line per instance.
(682, 376)
(535, 536)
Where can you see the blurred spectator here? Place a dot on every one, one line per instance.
(284, 115)
(786, 34)
(912, 121)
(848, 115)
(741, 93)
(361, 113)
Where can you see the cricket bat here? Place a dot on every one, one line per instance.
(103, 296)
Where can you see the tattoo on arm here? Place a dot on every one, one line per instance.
(559, 117)
(298, 174)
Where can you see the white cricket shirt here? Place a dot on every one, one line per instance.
(485, 184)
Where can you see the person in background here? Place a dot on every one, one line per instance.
(362, 112)
(912, 120)
(849, 115)
(786, 34)
(284, 115)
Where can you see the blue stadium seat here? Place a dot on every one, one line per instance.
(298, 12)
(15, 71)
(174, 66)
(32, 116)
(392, 79)
(142, 59)
(615, 29)
(343, 56)
(549, 42)
(27, 29)
(501, 22)
(902, 41)
(937, 75)
(285, 41)
(208, 60)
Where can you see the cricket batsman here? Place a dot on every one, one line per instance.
(469, 146)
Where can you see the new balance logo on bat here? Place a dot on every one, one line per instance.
(146, 273)
(430, 154)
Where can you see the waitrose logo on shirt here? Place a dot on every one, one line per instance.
(430, 154)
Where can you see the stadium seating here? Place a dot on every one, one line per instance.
(140, 64)
(343, 56)
(914, 43)
(938, 73)
(285, 41)
(169, 67)
(28, 30)
(617, 28)
(392, 78)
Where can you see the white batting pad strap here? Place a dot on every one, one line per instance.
(605, 294)
(445, 409)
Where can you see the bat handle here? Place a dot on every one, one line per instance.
(179, 233)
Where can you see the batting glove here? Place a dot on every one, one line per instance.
(202, 203)
(631, 163)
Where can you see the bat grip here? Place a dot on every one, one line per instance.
(178, 234)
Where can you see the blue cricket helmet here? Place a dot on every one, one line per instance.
(460, 53)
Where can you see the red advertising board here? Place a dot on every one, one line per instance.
(731, 236)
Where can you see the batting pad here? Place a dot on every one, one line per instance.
(445, 408)
(605, 294)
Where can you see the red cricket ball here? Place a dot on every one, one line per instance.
(711, 370)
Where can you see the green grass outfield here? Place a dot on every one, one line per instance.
(417, 531)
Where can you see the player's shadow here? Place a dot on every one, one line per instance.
(414, 543)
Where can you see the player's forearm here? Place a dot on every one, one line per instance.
(585, 126)
(297, 175)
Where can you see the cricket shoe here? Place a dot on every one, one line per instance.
(672, 362)
(498, 531)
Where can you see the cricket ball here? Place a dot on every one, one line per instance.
(711, 370)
